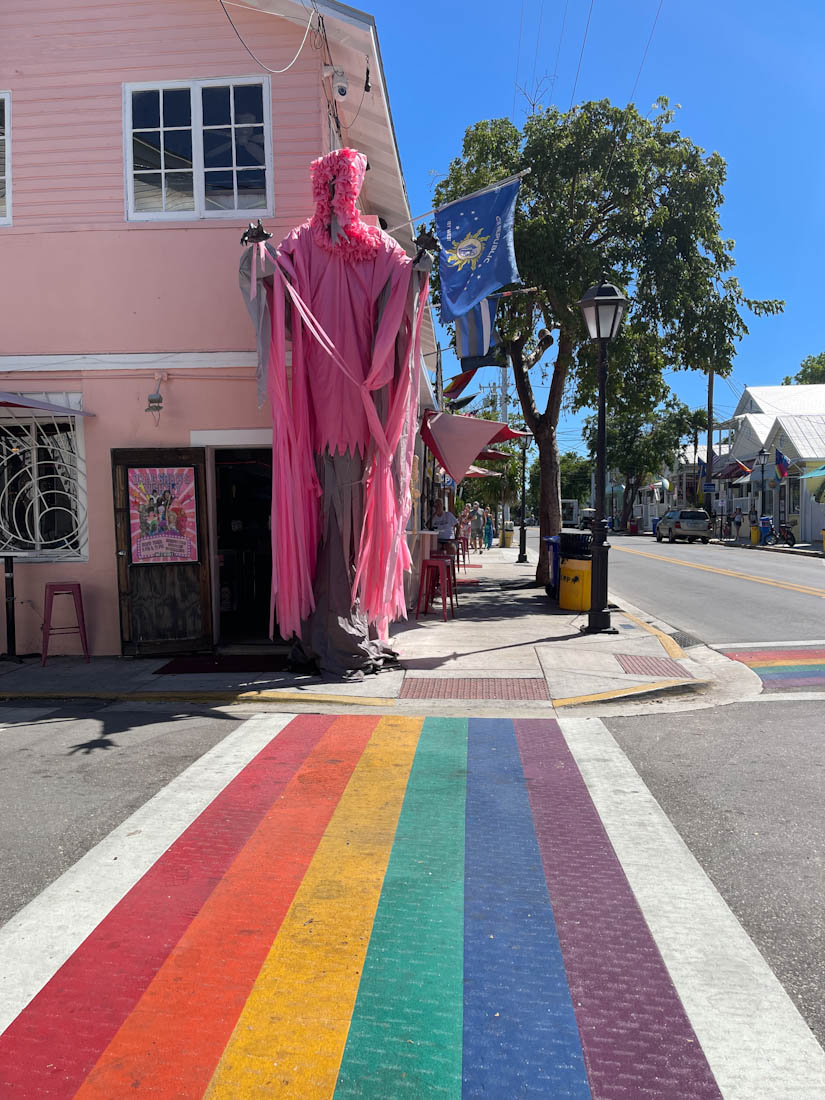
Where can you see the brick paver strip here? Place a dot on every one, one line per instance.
(638, 665)
(520, 1034)
(183, 1021)
(54, 1043)
(474, 687)
(406, 1031)
(636, 1037)
(290, 1037)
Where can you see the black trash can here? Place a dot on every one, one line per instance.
(554, 549)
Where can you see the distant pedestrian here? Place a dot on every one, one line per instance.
(476, 527)
(488, 529)
(737, 522)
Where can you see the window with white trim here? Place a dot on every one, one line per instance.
(199, 149)
(5, 158)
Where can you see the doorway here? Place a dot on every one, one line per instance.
(243, 484)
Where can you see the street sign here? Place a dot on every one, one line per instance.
(709, 487)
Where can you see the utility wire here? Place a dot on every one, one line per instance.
(257, 60)
(647, 47)
(536, 54)
(581, 55)
(558, 52)
(518, 63)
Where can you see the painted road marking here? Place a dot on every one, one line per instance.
(783, 669)
(621, 988)
(417, 938)
(511, 946)
(669, 644)
(767, 646)
(806, 590)
(518, 856)
(163, 1042)
(39, 939)
(290, 1037)
(752, 1034)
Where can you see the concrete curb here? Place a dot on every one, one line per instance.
(639, 691)
(770, 549)
(223, 697)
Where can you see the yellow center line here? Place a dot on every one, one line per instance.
(805, 589)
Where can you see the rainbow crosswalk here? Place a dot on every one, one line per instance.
(801, 668)
(372, 907)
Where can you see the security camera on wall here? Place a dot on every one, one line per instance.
(340, 83)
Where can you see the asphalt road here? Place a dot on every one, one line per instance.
(718, 593)
(744, 786)
(70, 774)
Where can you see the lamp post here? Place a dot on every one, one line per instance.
(762, 459)
(602, 307)
(522, 539)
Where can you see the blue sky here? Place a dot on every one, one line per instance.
(749, 78)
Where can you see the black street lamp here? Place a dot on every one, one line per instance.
(522, 541)
(762, 459)
(602, 307)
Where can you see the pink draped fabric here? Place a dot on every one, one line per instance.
(352, 387)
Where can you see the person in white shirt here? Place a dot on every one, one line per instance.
(445, 523)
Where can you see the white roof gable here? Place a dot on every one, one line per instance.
(804, 436)
(778, 400)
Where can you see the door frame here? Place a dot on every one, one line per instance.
(122, 459)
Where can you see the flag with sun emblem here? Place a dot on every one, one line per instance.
(477, 254)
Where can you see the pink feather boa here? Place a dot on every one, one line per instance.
(345, 168)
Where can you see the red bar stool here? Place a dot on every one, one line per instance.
(435, 571)
(450, 555)
(64, 588)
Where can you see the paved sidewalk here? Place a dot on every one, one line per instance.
(507, 645)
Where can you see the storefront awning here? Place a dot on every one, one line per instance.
(477, 471)
(457, 441)
(818, 472)
(20, 401)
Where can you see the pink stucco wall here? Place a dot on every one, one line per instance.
(193, 400)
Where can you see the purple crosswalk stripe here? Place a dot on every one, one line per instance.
(636, 1037)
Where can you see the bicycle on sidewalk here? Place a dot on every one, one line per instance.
(785, 533)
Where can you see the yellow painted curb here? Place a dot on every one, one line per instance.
(206, 697)
(639, 689)
(669, 644)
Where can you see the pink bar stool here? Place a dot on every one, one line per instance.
(64, 588)
(452, 559)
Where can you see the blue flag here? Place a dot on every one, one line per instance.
(477, 254)
(475, 331)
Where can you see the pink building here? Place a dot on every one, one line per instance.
(136, 142)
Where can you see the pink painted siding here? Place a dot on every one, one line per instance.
(76, 276)
(192, 401)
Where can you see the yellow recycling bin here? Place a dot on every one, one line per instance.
(574, 586)
(506, 538)
(756, 535)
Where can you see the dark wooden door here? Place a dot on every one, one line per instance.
(160, 509)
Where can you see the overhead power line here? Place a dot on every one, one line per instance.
(518, 63)
(257, 60)
(581, 55)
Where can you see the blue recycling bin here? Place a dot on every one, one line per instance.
(654, 523)
(554, 548)
(765, 525)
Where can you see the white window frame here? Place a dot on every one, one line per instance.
(5, 168)
(200, 213)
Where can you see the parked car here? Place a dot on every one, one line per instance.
(684, 523)
(586, 517)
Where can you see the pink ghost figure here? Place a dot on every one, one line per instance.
(344, 412)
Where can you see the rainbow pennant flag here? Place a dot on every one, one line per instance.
(379, 907)
(781, 464)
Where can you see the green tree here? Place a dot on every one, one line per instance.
(640, 442)
(697, 422)
(811, 372)
(609, 192)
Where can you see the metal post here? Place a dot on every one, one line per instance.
(599, 617)
(522, 543)
(11, 636)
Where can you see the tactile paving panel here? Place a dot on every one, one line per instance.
(652, 666)
(473, 687)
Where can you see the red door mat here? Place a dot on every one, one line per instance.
(474, 687)
(653, 666)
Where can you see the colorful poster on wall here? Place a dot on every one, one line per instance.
(163, 521)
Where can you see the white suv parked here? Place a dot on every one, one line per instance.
(684, 523)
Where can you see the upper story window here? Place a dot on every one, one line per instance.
(5, 158)
(198, 149)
